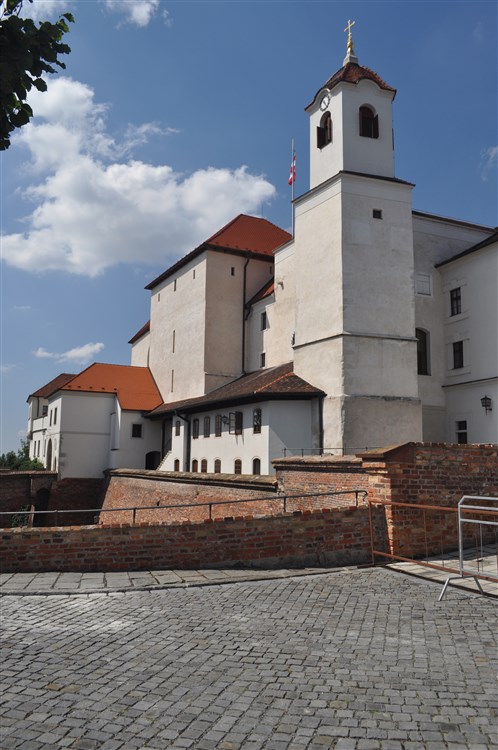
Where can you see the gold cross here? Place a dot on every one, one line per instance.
(350, 39)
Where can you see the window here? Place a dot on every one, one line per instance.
(136, 430)
(195, 429)
(217, 466)
(237, 466)
(177, 427)
(235, 423)
(172, 380)
(44, 411)
(55, 415)
(174, 285)
(422, 352)
(423, 284)
(204, 466)
(262, 359)
(177, 464)
(377, 213)
(369, 123)
(232, 271)
(456, 301)
(217, 425)
(264, 321)
(207, 427)
(457, 354)
(256, 421)
(173, 343)
(324, 131)
(461, 431)
(159, 297)
(193, 274)
(256, 466)
(195, 465)
(50, 422)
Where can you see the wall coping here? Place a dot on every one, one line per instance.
(318, 463)
(28, 473)
(239, 481)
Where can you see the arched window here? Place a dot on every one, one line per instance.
(177, 464)
(423, 352)
(237, 467)
(324, 131)
(369, 123)
(204, 465)
(256, 466)
(217, 466)
(195, 465)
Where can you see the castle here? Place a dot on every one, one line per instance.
(372, 324)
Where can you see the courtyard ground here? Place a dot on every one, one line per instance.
(352, 659)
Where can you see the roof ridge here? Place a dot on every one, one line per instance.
(216, 234)
(276, 380)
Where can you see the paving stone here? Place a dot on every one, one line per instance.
(354, 660)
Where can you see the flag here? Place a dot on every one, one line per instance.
(292, 176)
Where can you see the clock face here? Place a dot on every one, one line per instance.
(325, 102)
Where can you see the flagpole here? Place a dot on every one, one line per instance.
(292, 186)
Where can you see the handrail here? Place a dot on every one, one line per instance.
(210, 504)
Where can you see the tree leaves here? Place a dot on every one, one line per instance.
(27, 51)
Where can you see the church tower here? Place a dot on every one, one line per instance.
(353, 254)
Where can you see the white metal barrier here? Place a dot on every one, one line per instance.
(482, 515)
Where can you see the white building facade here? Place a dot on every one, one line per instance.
(372, 325)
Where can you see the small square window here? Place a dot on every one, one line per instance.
(423, 284)
(136, 430)
(377, 213)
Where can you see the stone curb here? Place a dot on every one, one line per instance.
(180, 585)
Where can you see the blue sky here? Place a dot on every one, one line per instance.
(173, 117)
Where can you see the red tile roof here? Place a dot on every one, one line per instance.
(134, 386)
(138, 335)
(353, 73)
(250, 233)
(46, 390)
(263, 385)
(243, 235)
(265, 291)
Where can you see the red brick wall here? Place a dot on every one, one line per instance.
(19, 488)
(320, 474)
(430, 474)
(128, 489)
(322, 537)
(78, 495)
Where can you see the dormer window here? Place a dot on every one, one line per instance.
(324, 131)
(369, 123)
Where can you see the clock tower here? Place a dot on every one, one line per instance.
(353, 261)
(351, 123)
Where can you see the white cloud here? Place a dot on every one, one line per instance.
(22, 308)
(45, 10)
(95, 207)
(489, 161)
(138, 12)
(80, 354)
(5, 369)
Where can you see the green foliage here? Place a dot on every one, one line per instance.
(21, 518)
(20, 461)
(27, 52)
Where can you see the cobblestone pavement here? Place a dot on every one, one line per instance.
(353, 660)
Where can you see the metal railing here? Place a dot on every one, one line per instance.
(285, 500)
(450, 535)
(339, 451)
